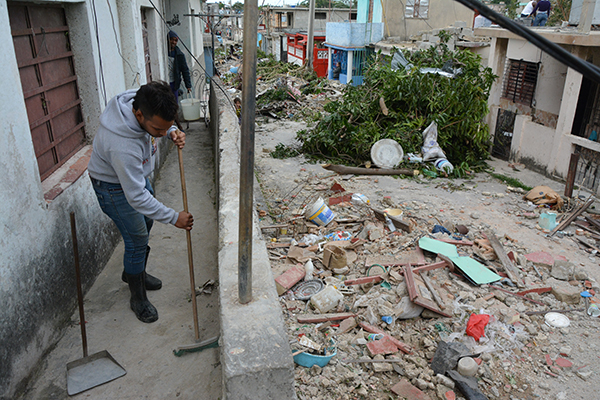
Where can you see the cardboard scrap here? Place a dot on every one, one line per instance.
(544, 195)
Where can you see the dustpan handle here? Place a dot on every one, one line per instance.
(78, 279)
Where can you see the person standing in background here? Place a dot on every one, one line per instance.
(541, 12)
(528, 10)
(177, 66)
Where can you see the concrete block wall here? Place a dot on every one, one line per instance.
(255, 353)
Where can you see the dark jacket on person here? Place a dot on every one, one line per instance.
(180, 68)
(542, 6)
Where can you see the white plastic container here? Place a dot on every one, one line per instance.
(190, 109)
(319, 213)
(467, 366)
(442, 164)
(327, 299)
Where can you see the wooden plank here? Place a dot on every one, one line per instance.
(583, 242)
(571, 175)
(430, 267)
(536, 290)
(364, 279)
(517, 294)
(315, 318)
(593, 234)
(593, 222)
(415, 296)
(508, 265)
(432, 290)
(459, 242)
(573, 215)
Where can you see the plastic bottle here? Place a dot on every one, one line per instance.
(444, 165)
(374, 336)
(309, 268)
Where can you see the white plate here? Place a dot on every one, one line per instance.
(386, 153)
(557, 320)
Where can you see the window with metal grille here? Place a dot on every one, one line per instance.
(416, 9)
(320, 15)
(519, 81)
(41, 40)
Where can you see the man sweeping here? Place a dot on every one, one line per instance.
(119, 167)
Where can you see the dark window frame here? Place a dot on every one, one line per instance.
(520, 81)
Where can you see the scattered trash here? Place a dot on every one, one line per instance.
(476, 325)
(386, 153)
(431, 149)
(305, 290)
(556, 320)
(319, 213)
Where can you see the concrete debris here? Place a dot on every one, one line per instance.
(402, 347)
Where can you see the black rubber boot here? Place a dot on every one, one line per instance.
(141, 306)
(152, 282)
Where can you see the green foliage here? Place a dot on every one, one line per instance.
(237, 6)
(353, 124)
(514, 182)
(561, 11)
(282, 151)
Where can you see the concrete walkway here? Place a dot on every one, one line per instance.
(145, 351)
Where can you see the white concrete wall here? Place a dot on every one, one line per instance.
(550, 85)
(532, 142)
(37, 290)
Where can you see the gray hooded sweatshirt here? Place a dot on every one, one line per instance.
(123, 154)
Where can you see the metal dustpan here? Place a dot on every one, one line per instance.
(99, 368)
(92, 371)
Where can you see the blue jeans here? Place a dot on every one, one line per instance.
(540, 19)
(134, 227)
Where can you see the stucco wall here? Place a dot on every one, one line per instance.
(532, 143)
(37, 280)
(442, 13)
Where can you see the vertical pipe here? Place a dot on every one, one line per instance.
(247, 151)
(311, 34)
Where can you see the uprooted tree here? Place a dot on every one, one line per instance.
(400, 104)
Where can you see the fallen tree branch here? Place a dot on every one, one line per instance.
(344, 170)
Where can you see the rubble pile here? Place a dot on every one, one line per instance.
(387, 300)
(283, 90)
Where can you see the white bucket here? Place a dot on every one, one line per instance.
(319, 213)
(190, 109)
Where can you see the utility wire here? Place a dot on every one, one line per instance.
(101, 70)
(585, 68)
(136, 74)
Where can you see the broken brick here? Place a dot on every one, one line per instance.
(548, 360)
(289, 278)
(382, 346)
(346, 325)
(543, 258)
(563, 362)
(449, 395)
(405, 390)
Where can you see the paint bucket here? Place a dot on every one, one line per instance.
(319, 213)
(190, 109)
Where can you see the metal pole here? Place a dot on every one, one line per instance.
(311, 34)
(247, 151)
(214, 54)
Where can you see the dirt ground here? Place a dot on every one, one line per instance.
(145, 351)
(522, 360)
